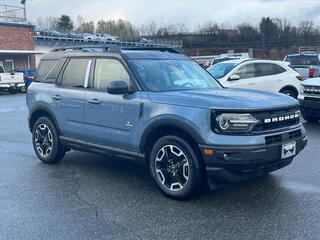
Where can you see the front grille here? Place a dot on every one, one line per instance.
(279, 138)
(276, 119)
(312, 98)
(311, 90)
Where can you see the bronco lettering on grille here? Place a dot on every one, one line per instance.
(281, 118)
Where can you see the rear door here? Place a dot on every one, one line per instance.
(68, 97)
(111, 119)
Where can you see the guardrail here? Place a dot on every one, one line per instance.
(69, 40)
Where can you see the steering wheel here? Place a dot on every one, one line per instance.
(187, 84)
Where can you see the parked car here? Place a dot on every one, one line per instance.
(222, 59)
(11, 81)
(54, 33)
(306, 64)
(310, 99)
(28, 75)
(145, 40)
(72, 35)
(159, 106)
(265, 75)
(88, 36)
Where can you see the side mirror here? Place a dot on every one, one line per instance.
(234, 77)
(118, 87)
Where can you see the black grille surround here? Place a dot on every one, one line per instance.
(263, 127)
(276, 115)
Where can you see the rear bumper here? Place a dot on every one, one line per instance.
(310, 107)
(11, 85)
(234, 164)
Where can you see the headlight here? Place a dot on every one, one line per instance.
(301, 89)
(234, 122)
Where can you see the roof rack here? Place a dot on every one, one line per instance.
(108, 48)
(161, 49)
(88, 48)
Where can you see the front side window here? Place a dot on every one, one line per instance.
(246, 71)
(172, 75)
(107, 71)
(75, 73)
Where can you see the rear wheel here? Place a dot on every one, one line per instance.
(175, 167)
(311, 119)
(45, 141)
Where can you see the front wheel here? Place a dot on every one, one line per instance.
(175, 167)
(45, 141)
(289, 92)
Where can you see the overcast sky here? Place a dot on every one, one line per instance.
(190, 12)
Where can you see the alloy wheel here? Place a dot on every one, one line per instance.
(43, 140)
(172, 168)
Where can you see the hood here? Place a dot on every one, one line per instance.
(311, 82)
(235, 99)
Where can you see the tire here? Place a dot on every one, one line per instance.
(311, 119)
(23, 89)
(175, 168)
(289, 92)
(45, 140)
(11, 91)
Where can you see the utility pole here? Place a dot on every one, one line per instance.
(23, 2)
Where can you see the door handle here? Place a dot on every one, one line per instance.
(56, 97)
(94, 101)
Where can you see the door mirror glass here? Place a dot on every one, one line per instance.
(234, 77)
(118, 87)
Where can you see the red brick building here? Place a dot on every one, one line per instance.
(17, 47)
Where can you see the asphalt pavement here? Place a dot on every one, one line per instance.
(88, 196)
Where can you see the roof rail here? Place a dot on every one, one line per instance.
(87, 48)
(161, 49)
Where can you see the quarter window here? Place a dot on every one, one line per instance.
(43, 69)
(108, 70)
(75, 73)
(54, 72)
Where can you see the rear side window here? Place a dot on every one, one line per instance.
(54, 72)
(75, 73)
(43, 69)
(267, 69)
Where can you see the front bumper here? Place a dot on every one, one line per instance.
(236, 163)
(310, 107)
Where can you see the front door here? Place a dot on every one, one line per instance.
(112, 119)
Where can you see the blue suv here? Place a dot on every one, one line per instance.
(158, 105)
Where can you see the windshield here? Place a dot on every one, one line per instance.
(172, 75)
(221, 69)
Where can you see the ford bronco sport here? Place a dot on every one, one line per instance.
(309, 99)
(160, 106)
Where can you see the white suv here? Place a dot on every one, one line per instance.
(265, 75)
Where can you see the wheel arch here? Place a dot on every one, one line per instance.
(291, 87)
(41, 111)
(161, 128)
